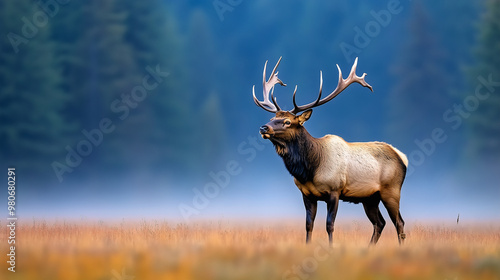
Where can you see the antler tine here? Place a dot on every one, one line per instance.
(264, 79)
(359, 80)
(342, 84)
(299, 108)
(293, 99)
(260, 104)
(268, 87)
(274, 100)
(276, 67)
(320, 87)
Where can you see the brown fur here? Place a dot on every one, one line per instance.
(330, 169)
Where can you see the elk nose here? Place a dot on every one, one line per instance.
(264, 129)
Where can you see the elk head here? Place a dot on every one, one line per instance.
(287, 124)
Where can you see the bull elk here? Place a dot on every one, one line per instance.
(329, 168)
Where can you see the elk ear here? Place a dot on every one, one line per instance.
(305, 116)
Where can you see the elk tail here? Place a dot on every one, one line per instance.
(401, 155)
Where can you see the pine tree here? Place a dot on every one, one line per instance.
(33, 128)
(203, 69)
(483, 126)
(106, 49)
(420, 95)
(164, 122)
(201, 59)
(212, 132)
(98, 69)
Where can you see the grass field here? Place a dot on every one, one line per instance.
(227, 250)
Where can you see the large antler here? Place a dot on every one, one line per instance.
(342, 84)
(269, 87)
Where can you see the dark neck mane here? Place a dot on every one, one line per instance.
(300, 155)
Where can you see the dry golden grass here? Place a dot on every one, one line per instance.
(226, 250)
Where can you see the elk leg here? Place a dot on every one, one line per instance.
(392, 206)
(375, 217)
(402, 235)
(332, 207)
(311, 207)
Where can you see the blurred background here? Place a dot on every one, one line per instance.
(139, 109)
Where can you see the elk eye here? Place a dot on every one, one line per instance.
(287, 122)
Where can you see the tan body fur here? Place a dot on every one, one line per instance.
(330, 169)
(355, 170)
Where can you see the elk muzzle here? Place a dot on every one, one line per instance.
(266, 131)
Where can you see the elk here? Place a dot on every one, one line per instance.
(330, 169)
